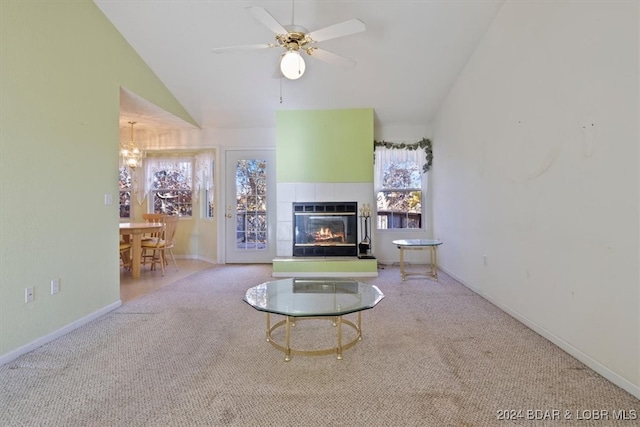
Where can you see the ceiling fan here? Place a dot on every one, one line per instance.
(295, 39)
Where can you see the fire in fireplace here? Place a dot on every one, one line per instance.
(325, 229)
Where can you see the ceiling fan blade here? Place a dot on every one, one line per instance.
(267, 19)
(242, 47)
(332, 58)
(341, 29)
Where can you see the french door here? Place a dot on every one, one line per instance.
(250, 208)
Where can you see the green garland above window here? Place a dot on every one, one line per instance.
(424, 144)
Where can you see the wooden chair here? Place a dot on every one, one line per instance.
(125, 255)
(162, 244)
(153, 217)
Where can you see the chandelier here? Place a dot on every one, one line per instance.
(131, 154)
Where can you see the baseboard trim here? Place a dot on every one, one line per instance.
(607, 373)
(198, 258)
(14, 354)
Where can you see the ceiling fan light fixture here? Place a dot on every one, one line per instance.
(292, 65)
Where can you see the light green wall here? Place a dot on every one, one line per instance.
(63, 64)
(324, 145)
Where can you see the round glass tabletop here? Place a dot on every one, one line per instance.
(298, 297)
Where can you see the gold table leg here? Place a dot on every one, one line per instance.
(287, 353)
(337, 322)
(268, 327)
(433, 262)
(339, 348)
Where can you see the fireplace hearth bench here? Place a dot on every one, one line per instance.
(324, 267)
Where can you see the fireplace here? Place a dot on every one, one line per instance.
(325, 229)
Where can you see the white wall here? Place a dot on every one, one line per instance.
(536, 167)
(242, 138)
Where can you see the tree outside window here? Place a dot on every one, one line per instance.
(399, 183)
(169, 182)
(251, 204)
(125, 192)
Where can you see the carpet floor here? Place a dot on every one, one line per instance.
(194, 354)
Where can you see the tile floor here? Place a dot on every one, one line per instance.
(150, 281)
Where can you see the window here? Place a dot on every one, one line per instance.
(169, 186)
(125, 192)
(398, 183)
(209, 204)
(251, 205)
(203, 180)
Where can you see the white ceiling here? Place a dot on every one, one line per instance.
(407, 59)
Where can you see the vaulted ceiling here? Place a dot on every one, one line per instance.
(406, 61)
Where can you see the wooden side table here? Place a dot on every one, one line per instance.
(419, 244)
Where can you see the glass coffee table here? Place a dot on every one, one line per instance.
(322, 298)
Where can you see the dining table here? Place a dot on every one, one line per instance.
(134, 232)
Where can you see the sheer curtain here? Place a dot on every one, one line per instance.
(155, 164)
(203, 179)
(142, 178)
(385, 155)
(137, 185)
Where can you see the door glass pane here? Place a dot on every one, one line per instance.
(251, 204)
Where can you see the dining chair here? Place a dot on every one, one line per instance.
(153, 217)
(162, 244)
(125, 255)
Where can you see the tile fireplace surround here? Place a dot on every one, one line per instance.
(287, 193)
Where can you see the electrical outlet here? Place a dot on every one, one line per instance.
(55, 286)
(484, 260)
(108, 199)
(29, 295)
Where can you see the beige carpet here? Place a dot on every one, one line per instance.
(194, 354)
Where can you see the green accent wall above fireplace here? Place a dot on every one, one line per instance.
(324, 145)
